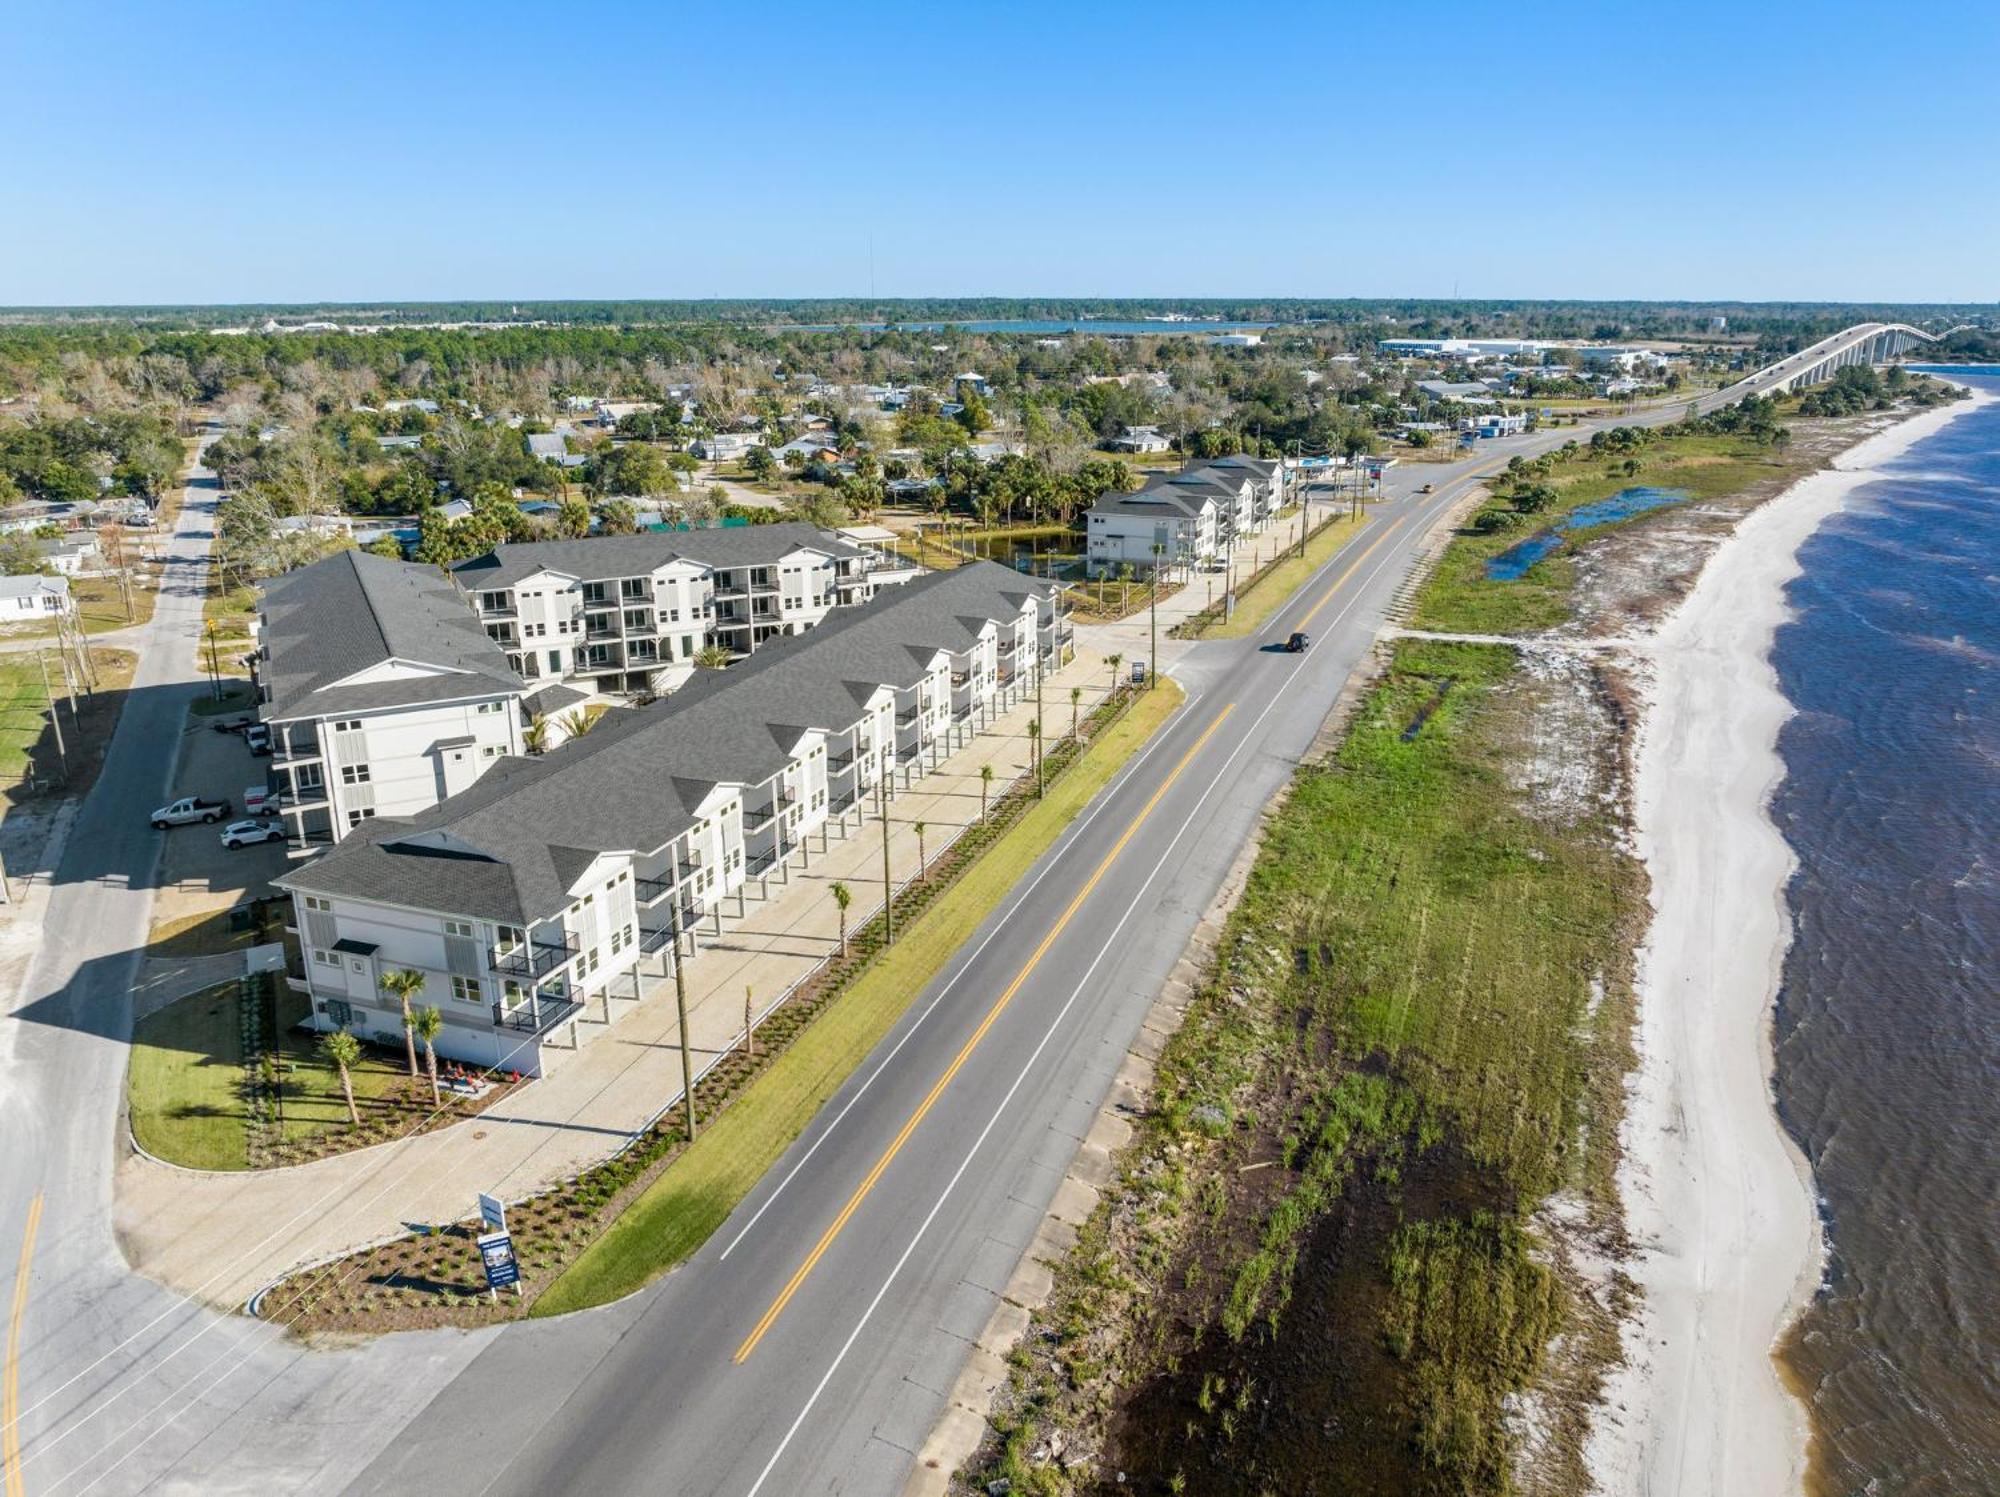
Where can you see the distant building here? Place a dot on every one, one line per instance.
(1140, 439)
(727, 446)
(70, 555)
(1235, 340)
(553, 447)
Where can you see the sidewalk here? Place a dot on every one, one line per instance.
(220, 1237)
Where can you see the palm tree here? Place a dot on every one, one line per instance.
(536, 737)
(985, 779)
(711, 657)
(843, 897)
(425, 1024)
(922, 859)
(1035, 750)
(343, 1049)
(1075, 700)
(1114, 661)
(749, 1023)
(403, 986)
(581, 721)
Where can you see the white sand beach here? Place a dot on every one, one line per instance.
(1719, 1201)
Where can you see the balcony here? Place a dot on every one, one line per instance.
(906, 718)
(537, 959)
(537, 1016)
(651, 891)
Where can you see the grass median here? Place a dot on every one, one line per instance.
(1265, 593)
(680, 1210)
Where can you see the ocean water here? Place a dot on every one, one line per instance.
(1888, 1020)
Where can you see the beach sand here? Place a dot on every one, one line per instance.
(1719, 1201)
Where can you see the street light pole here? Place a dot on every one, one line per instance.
(888, 884)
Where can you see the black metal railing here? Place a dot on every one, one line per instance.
(536, 959)
(538, 1016)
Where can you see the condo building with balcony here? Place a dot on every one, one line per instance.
(629, 613)
(544, 900)
(382, 694)
(1193, 517)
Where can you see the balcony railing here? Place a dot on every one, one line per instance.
(538, 958)
(653, 890)
(537, 1017)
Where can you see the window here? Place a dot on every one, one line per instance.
(355, 818)
(458, 928)
(466, 990)
(507, 937)
(491, 751)
(632, 587)
(354, 774)
(512, 995)
(350, 725)
(325, 958)
(485, 707)
(314, 902)
(617, 942)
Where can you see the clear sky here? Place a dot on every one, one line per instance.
(193, 152)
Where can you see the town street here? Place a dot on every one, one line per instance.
(847, 1338)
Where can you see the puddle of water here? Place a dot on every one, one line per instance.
(1624, 504)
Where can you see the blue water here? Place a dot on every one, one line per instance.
(1624, 504)
(1888, 1021)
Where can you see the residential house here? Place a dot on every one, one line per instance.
(726, 446)
(382, 693)
(34, 599)
(553, 447)
(539, 903)
(1141, 439)
(1160, 526)
(70, 555)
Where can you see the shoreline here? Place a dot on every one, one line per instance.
(1719, 1201)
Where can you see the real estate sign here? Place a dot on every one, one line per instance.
(496, 1254)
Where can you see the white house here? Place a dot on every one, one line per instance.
(628, 613)
(70, 555)
(382, 693)
(1160, 526)
(726, 446)
(1140, 439)
(34, 598)
(538, 905)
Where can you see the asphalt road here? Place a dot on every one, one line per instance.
(893, 1242)
(124, 1387)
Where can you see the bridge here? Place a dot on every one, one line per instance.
(1864, 343)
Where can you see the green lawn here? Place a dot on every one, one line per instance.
(1268, 591)
(187, 1085)
(24, 715)
(685, 1205)
(1460, 597)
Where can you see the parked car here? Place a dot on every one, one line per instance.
(251, 833)
(1296, 645)
(259, 738)
(232, 724)
(259, 800)
(188, 810)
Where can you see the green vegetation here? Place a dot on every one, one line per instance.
(27, 744)
(202, 1095)
(679, 1211)
(1413, 1037)
(1705, 464)
(1267, 589)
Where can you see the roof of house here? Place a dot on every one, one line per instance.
(1160, 497)
(28, 585)
(354, 611)
(511, 847)
(597, 558)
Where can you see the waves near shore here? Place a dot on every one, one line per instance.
(1719, 1199)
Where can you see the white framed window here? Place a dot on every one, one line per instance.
(459, 928)
(325, 958)
(314, 902)
(355, 818)
(466, 990)
(355, 774)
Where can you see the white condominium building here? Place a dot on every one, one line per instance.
(558, 885)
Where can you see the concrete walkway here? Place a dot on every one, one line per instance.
(219, 1237)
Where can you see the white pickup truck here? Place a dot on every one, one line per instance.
(188, 810)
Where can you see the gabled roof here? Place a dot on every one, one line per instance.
(501, 849)
(352, 612)
(1169, 500)
(599, 558)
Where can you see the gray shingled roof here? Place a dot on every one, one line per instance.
(601, 557)
(521, 834)
(351, 611)
(1179, 499)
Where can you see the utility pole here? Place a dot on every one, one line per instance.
(1153, 620)
(1038, 745)
(681, 1007)
(888, 884)
(214, 670)
(55, 720)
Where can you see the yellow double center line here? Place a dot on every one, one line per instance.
(10, 1393)
(965, 1052)
(1352, 567)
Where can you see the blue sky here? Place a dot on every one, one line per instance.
(294, 152)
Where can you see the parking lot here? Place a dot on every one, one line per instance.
(198, 875)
